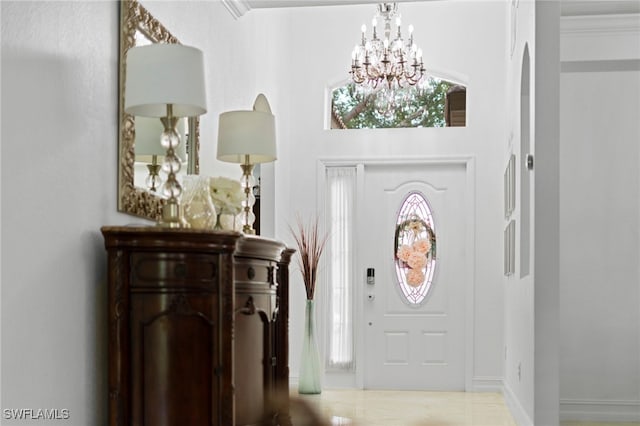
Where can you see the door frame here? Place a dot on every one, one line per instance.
(357, 378)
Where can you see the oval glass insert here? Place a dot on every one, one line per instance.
(415, 248)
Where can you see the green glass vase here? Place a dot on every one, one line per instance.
(309, 381)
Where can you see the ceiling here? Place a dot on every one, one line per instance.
(258, 4)
(568, 8)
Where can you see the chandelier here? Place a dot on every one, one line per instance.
(393, 61)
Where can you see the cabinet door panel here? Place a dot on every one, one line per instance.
(253, 353)
(175, 359)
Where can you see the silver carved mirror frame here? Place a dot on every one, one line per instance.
(134, 18)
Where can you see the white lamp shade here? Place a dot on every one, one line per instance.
(161, 74)
(147, 141)
(252, 133)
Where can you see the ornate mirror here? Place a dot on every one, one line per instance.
(138, 184)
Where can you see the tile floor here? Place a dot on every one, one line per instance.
(406, 408)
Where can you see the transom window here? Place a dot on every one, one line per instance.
(415, 248)
(436, 103)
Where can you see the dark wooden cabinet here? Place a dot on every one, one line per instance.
(198, 325)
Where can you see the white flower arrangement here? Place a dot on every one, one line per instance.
(227, 195)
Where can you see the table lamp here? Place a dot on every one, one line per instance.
(148, 148)
(248, 138)
(166, 81)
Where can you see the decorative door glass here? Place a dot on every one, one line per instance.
(415, 248)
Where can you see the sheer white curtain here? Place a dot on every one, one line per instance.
(341, 193)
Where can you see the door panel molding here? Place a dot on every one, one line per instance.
(468, 162)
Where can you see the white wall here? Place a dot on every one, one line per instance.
(531, 300)
(546, 206)
(59, 177)
(598, 328)
(600, 219)
(319, 44)
(518, 289)
(59, 133)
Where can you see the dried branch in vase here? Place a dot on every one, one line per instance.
(311, 244)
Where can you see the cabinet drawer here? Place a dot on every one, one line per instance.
(155, 270)
(254, 271)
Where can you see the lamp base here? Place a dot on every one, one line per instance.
(153, 180)
(247, 182)
(172, 217)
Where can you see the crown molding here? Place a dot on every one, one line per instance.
(598, 7)
(570, 9)
(600, 24)
(236, 8)
(600, 38)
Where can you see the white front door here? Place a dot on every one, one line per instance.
(407, 345)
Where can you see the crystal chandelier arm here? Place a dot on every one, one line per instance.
(357, 76)
(415, 77)
(371, 73)
(385, 59)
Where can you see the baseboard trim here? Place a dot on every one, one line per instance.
(600, 410)
(486, 384)
(293, 381)
(515, 407)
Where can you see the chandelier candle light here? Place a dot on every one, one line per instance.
(166, 81)
(393, 61)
